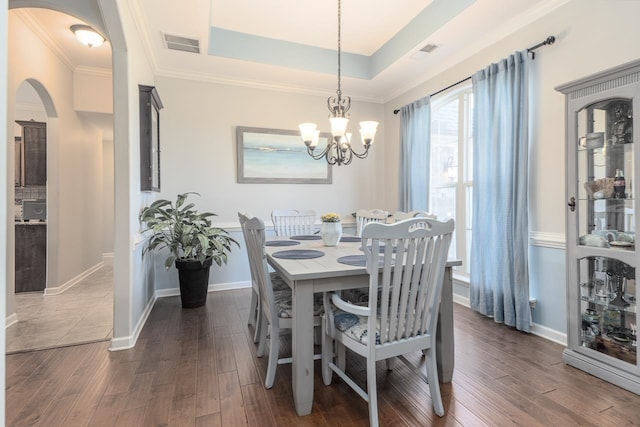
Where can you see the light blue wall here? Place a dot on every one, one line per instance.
(548, 284)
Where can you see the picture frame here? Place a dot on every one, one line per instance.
(277, 156)
(150, 106)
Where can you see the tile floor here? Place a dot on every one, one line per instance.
(82, 314)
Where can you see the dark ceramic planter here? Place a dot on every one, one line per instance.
(194, 282)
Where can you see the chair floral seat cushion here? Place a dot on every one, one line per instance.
(278, 283)
(284, 303)
(355, 326)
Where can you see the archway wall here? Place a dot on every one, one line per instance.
(4, 185)
(74, 161)
(134, 279)
(133, 275)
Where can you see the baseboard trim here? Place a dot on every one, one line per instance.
(11, 319)
(549, 334)
(229, 286)
(107, 258)
(125, 343)
(57, 290)
(462, 300)
(539, 330)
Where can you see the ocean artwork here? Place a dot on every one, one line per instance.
(279, 157)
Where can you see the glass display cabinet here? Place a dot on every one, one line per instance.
(602, 258)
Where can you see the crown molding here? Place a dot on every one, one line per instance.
(29, 20)
(143, 32)
(254, 84)
(93, 71)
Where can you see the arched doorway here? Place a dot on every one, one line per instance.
(79, 161)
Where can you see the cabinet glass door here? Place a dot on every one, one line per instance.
(608, 307)
(606, 201)
(606, 220)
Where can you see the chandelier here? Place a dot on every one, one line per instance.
(339, 149)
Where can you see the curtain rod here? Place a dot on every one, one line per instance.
(547, 41)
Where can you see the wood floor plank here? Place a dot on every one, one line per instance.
(210, 420)
(158, 408)
(256, 406)
(46, 382)
(197, 367)
(245, 361)
(231, 402)
(225, 356)
(207, 396)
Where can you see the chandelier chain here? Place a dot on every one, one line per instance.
(339, 92)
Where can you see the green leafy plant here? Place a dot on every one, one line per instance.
(188, 234)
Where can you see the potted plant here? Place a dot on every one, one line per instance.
(193, 243)
(331, 229)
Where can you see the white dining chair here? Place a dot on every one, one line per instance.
(399, 215)
(276, 306)
(292, 222)
(255, 316)
(365, 216)
(402, 311)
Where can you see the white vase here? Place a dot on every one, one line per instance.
(331, 233)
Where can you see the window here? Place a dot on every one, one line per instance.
(451, 179)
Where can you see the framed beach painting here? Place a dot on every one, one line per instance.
(274, 156)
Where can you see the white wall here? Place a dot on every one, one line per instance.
(591, 35)
(5, 180)
(74, 158)
(198, 146)
(107, 197)
(93, 90)
(133, 278)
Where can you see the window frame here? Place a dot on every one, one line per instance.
(463, 183)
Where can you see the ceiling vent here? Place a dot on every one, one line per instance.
(429, 48)
(181, 43)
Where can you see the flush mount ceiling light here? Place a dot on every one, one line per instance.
(87, 35)
(339, 149)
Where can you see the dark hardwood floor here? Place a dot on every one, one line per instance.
(197, 367)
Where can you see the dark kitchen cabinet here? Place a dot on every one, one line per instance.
(31, 257)
(34, 153)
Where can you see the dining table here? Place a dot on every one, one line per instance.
(324, 272)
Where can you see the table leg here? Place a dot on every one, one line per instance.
(444, 333)
(302, 351)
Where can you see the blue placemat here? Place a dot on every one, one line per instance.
(350, 239)
(307, 237)
(281, 243)
(357, 260)
(298, 254)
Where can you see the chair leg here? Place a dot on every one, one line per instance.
(258, 323)
(372, 392)
(434, 384)
(264, 328)
(391, 363)
(327, 353)
(253, 306)
(342, 358)
(274, 351)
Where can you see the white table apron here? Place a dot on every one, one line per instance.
(308, 276)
